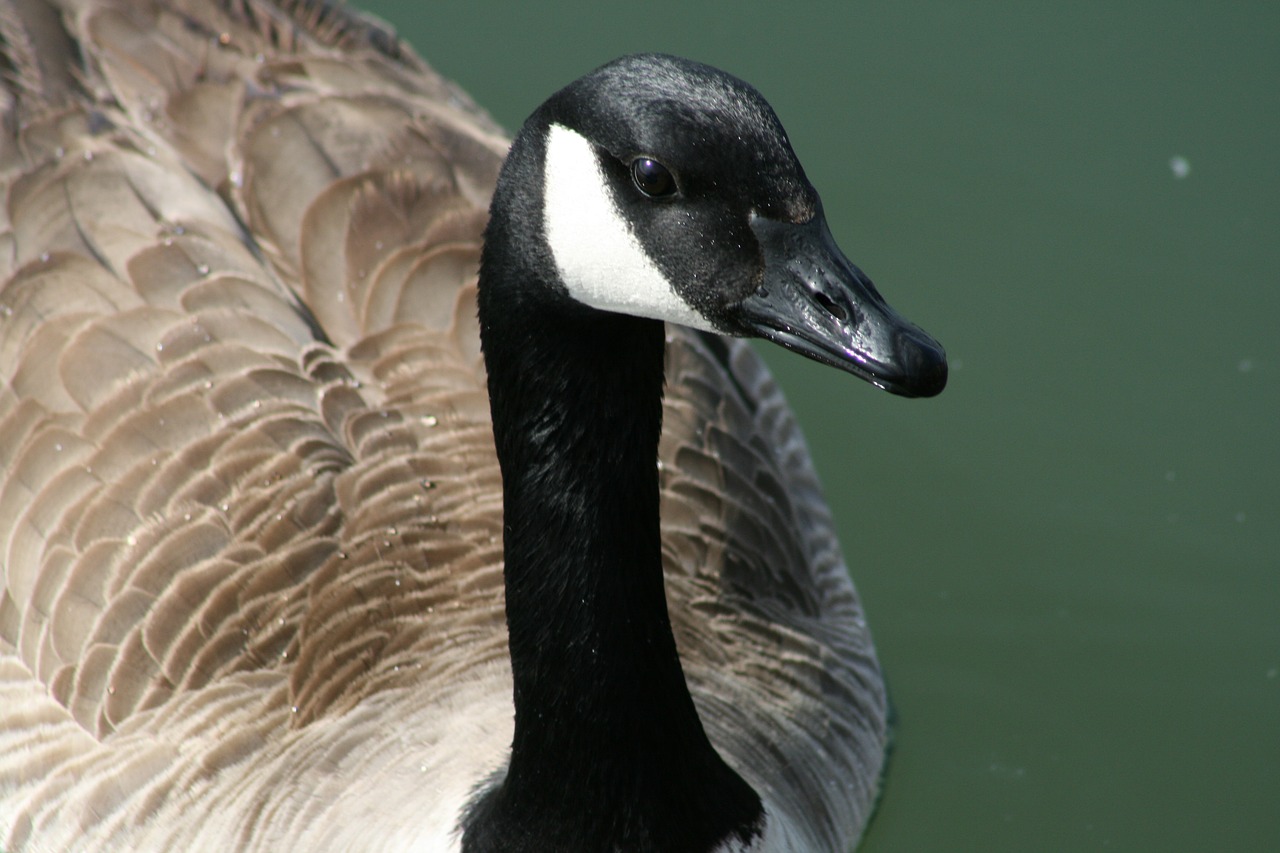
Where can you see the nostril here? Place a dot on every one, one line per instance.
(830, 306)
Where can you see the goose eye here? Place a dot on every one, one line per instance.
(652, 178)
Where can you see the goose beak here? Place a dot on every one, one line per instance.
(814, 301)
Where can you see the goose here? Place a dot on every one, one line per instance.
(368, 482)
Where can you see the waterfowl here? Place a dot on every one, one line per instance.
(342, 511)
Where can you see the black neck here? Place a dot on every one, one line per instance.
(609, 753)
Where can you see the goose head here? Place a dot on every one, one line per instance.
(653, 189)
(663, 188)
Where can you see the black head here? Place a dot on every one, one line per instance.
(669, 190)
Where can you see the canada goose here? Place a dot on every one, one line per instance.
(251, 513)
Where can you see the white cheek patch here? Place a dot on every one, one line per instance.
(598, 258)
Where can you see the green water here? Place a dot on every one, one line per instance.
(1072, 558)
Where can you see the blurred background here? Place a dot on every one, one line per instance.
(1071, 559)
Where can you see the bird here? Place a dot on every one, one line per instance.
(372, 481)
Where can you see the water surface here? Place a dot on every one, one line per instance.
(1071, 559)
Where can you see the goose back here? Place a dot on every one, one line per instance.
(250, 513)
